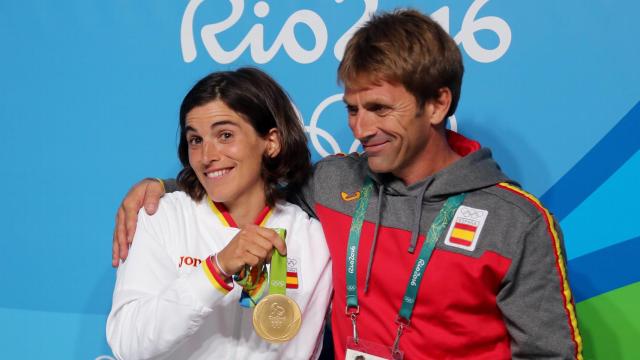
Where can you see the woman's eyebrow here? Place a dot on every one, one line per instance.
(223, 122)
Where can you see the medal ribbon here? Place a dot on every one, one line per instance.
(278, 274)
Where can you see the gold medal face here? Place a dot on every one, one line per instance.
(277, 318)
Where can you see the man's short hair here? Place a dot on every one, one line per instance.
(405, 47)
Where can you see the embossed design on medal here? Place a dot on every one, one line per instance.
(276, 315)
(277, 318)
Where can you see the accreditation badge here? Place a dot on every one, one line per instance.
(367, 350)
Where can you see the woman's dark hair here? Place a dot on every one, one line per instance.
(256, 97)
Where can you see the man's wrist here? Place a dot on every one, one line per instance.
(164, 188)
(168, 185)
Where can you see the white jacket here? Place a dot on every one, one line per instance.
(164, 306)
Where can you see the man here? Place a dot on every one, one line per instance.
(436, 253)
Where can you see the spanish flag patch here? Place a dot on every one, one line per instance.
(466, 227)
(463, 234)
(292, 280)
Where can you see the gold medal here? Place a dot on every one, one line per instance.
(277, 318)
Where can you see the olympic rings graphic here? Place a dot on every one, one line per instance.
(315, 132)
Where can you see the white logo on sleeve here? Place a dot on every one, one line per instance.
(293, 268)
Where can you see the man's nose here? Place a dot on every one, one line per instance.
(361, 125)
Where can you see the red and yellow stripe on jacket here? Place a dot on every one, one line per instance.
(223, 214)
(213, 274)
(560, 264)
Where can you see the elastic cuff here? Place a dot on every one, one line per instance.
(215, 278)
(219, 268)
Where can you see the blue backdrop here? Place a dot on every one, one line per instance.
(90, 92)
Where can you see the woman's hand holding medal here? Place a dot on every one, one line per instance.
(276, 318)
(252, 246)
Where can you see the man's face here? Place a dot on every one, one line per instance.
(385, 118)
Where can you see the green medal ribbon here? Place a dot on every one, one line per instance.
(278, 273)
(354, 239)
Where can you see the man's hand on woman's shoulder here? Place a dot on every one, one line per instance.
(146, 193)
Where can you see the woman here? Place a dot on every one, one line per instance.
(243, 149)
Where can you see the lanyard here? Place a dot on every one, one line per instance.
(440, 223)
(352, 247)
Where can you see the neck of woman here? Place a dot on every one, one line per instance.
(246, 211)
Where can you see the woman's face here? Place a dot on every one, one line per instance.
(226, 152)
